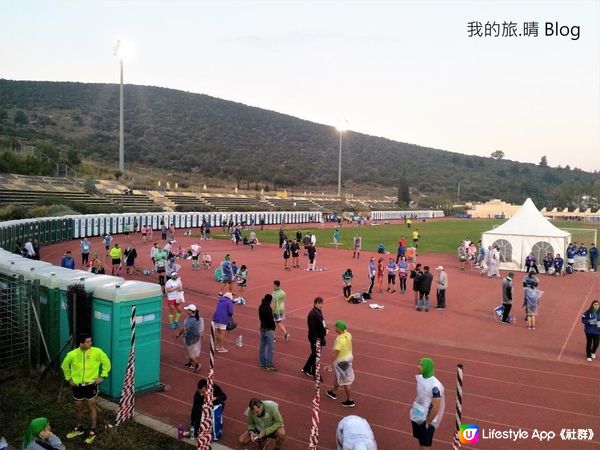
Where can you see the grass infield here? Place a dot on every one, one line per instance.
(440, 236)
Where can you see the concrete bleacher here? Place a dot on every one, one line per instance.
(293, 204)
(189, 202)
(130, 200)
(224, 202)
(28, 190)
(330, 206)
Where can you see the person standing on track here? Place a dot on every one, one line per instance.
(591, 320)
(428, 408)
(372, 273)
(342, 364)
(317, 329)
(507, 291)
(442, 284)
(279, 296)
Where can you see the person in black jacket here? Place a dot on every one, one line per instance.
(267, 333)
(219, 398)
(316, 330)
(415, 274)
(424, 282)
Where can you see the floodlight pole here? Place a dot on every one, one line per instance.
(121, 126)
(340, 167)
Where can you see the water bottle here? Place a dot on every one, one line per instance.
(192, 432)
(180, 431)
(240, 341)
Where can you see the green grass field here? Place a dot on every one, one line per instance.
(441, 236)
(23, 399)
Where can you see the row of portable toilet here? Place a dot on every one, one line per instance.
(112, 299)
(100, 224)
(396, 215)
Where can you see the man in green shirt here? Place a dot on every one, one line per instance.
(264, 422)
(84, 369)
(279, 307)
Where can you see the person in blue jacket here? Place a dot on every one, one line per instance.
(558, 265)
(591, 320)
(571, 250)
(593, 256)
(582, 250)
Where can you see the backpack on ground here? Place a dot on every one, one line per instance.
(355, 298)
(217, 422)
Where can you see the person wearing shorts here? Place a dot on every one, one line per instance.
(144, 232)
(222, 316)
(195, 252)
(107, 238)
(227, 273)
(428, 408)
(264, 422)
(174, 290)
(342, 364)
(84, 369)
(279, 296)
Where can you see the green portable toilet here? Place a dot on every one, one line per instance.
(66, 279)
(50, 307)
(111, 331)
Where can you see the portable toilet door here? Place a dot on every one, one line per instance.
(111, 331)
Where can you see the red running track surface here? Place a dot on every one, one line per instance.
(514, 378)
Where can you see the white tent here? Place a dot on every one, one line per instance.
(526, 231)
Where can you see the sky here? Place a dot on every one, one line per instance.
(405, 70)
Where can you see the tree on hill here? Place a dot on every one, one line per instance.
(498, 154)
(544, 161)
(403, 191)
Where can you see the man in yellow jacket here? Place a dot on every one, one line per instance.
(84, 369)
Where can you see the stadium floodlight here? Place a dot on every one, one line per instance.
(121, 51)
(341, 127)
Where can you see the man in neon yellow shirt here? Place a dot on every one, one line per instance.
(84, 369)
(342, 364)
(116, 255)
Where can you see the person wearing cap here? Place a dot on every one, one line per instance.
(428, 408)
(354, 433)
(174, 290)
(507, 288)
(193, 328)
(342, 364)
(442, 283)
(222, 316)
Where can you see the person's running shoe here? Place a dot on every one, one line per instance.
(331, 394)
(348, 404)
(287, 336)
(91, 437)
(222, 350)
(307, 374)
(272, 369)
(189, 365)
(172, 325)
(77, 431)
(197, 367)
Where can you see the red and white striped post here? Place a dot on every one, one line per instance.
(314, 429)
(459, 398)
(205, 432)
(127, 401)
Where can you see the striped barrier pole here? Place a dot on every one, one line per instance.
(314, 430)
(459, 398)
(127, 401)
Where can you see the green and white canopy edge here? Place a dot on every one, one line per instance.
(526, 231)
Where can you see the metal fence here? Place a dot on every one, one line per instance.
(19, 333)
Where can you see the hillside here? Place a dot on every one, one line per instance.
(214, 138)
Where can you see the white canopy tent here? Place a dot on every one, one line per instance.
(525, 232)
